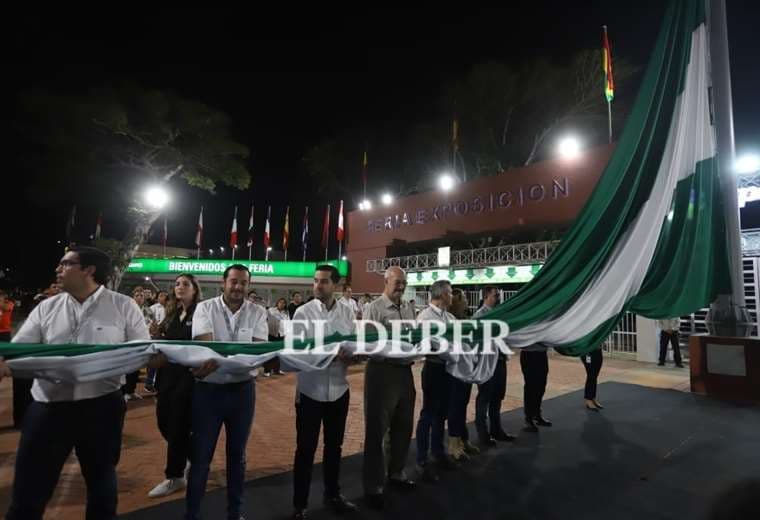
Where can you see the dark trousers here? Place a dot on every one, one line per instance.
(22, 399)
(673, 339)
(174, 413)
(310, 416)
(230, 404)
(93, 428)
(436, 391)
(460, 398)
(488, 402)
(535, 369)
(592, 362)
(131, 385)
(388, 405)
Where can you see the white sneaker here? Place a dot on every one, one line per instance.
(267, 373)
(167, 487)
(132, 397)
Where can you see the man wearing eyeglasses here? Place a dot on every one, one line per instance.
(87, 417)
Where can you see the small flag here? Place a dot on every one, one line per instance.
(266, 227)
(609, 83)
(98, 226)
(305, 231)
(199, 230)
(455, 134)
(286, 230)
(71, 222)
(233, 233)
(326, 227)
(364, 172)
(340, 223)
(250, 229)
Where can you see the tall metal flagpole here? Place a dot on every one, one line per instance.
(729, 309)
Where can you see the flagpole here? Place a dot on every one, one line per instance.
(728, 310)
(609, 121)
(250, 253)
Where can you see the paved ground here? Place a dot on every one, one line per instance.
(272, 443)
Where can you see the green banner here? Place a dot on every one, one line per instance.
(217, 267)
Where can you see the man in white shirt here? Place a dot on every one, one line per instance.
(87, 417)
(436, 388)
(277, 316)
(223, 399)
(322, 397)
(159, 308)
(669, 333)
(348, 300)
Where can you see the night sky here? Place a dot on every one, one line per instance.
(291, 78)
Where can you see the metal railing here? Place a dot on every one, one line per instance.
(515, 254)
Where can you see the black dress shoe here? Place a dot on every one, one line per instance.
(530, 426)
(540, 421)
(340, 505)
(402, 484)
(503, 436)
(300, 514)
(660, 364)
(375, 501)
(486, 441)
(680, 365)
(427, 473)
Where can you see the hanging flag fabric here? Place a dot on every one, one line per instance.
(199, 230)
(305, 231)
(286, 230)
(233, 232)
(326, 228)
(609, 83)
(340, 233)
(98, 226)
(266, 227)
(250, 229)
(651, 238)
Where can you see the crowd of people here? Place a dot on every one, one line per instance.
(192, 404)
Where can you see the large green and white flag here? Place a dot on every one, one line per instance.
(651, 238)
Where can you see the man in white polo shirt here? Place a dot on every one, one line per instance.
(322, 396)
(87, 417)
(348, 300)
(222, 398)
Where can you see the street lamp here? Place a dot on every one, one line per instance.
(569, 147)
(156, 197)
(387, 199)
(446, 181)
(344, 257)
(748, 163)
(365, 205)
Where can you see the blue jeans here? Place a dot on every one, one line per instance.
(213, 405)
(91, 427)
(436, 389)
